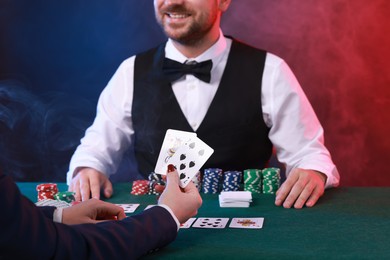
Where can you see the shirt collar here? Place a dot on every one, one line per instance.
(213, 53)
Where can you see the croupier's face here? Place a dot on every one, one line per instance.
(189, 21)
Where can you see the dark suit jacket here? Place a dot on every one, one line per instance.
(28, 232)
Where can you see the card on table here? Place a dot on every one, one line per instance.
(128, 208)
(172, 141)
(210, 223)
(252, 223)
(188, 223)
(149, 206)
(189, 158)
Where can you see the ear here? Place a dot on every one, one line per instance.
(224, 5)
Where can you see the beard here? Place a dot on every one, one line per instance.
(193, 31)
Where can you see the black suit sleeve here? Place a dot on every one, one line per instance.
(27, 233)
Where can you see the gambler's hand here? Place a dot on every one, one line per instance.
(88, 182)
(92, 211)
(302, 187)
(183, 202)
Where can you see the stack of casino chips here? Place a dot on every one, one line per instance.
(67, 196)
(46, 191)
(197, 180)
(211, 180)
(231, 181)
(271, 180)
(140, 187)
(252, 180)
(154, 179)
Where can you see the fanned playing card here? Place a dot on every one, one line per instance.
(210, 223)
(172, 141)
(189, 158)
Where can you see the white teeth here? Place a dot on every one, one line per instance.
(178, 16)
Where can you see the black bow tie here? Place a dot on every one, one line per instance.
(175, 70)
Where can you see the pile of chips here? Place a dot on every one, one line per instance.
(140, 187)
(49, 191)
(211, 180)
(197, 180)
(154, 179)
(252, 180)
(231, 181)
(46, 191)
(271, 180)
(214, 180)
(67, 196)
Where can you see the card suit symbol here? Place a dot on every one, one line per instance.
(192, 164)
(202, 225)
(201, 152)
(182, 176)
(182, 166)
(182, 157)
(192, 145)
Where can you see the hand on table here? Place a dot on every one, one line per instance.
(183, 202)
(301, 188)
(88, 182)
(92, 211)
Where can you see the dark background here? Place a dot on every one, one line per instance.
(57, 56)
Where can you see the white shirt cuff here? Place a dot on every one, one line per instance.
(57, 215)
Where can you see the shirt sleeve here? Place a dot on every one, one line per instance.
(295, 130)
(108, 138)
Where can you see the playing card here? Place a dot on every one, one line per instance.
(188, 223)
(189, 158)
(149, 206)
(128, 208)
(210, 223)
(172, 141)
(254, 223)
(235, 199)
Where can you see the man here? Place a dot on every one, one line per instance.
(28, 232)
(251, 103)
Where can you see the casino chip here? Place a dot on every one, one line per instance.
(211, 182)
(252, 180)
(271, 180)
(46, 191)
(67, 196)
(155, 179)
(197, 180)
(231, 181)
(140, 187)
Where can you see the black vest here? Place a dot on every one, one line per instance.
(233, 126)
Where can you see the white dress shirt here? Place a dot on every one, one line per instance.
(295, 131)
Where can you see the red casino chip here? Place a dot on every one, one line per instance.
(140, 187)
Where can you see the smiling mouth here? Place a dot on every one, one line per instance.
(177, 15)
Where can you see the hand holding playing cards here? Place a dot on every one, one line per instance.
(184, 202)
(87, 183)
(91, 211)
(302, 187)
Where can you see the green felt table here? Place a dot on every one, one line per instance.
(347, 223)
